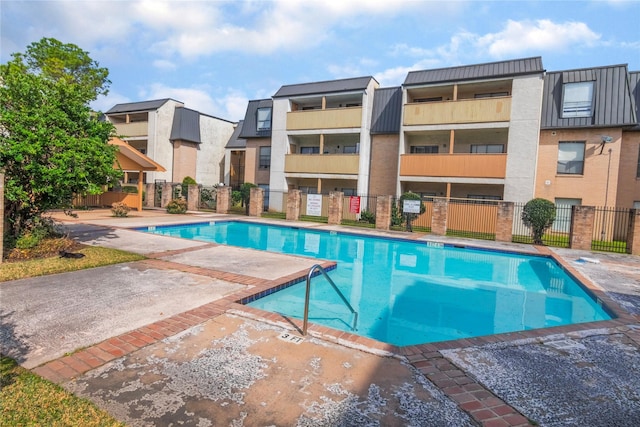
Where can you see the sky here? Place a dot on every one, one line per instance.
(215, 56)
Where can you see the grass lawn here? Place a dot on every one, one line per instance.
(29, 400)
(94, 257)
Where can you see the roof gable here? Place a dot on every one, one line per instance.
(330, 86)
(186, 125)
(139, 106)
(250, 125)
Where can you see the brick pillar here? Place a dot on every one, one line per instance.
(223, 200)
(256, 201)
(582, 220)
(383, 212)
(504, 222)
(150, 195)
(633, 236)
(167, 195)
(439, 216)
(336, 206)
(294, 202)
(193, 197)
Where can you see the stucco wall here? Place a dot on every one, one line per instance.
(214, 134)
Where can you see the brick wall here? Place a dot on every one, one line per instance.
(504, 222)
(256, 201)
(336, 206)
(581, 227)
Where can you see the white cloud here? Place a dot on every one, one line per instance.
(104, 103)
(164, 64)
(541, 36)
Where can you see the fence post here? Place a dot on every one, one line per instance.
(193, 197)
(256, 201)
(581, 232)
(504, 222)
(439, 216)
(223, 200)
(383, 212)
(167, 194)
(1, 216)
(336, 207)
(633, 236)
(294, 202)
(150, 196)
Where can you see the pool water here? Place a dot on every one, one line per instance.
(411, 292)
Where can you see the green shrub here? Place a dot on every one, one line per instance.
(188, 181)
(538, 214)
(36, 230)
(409, 217)
(236, 198)
(177, 206)
(120, 209)
(130, 189)
(367, 216)
(28, 240)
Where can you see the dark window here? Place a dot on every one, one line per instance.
(309, 150)
(265, 157)
(487, 148)
(423, 149)
(638, 169)
(490, 94)
(351, 149)
(571, 157)
(432, 99)
(264, 119)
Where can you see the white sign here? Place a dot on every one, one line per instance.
(411, 206)
(314, 204)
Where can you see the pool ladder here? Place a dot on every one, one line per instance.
(307, 295)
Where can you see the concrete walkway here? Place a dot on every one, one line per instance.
(183, 352)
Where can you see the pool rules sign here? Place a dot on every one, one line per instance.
(314, 204)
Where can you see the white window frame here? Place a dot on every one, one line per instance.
(570, 155)
(263, 119)
(577, 99)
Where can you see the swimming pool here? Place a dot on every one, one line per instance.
(411, 292)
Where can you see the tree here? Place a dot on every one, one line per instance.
(52, 146)
(245, 191)
(538, 214)
(409, 217)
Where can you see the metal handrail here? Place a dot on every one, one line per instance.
(308, 292)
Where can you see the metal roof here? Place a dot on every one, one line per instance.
(250, 125)
(634, 83)
(613, 103)
(387, 111)
(138, 106)
(510, 68)
(186, 125)
(235, 141)
(329, 86)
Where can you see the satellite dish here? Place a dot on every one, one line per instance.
(606, 139)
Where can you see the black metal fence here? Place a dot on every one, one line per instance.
(208, 198)
(610, 230)
(557, 235)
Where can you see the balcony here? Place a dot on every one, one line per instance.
(334, 118)
(133, 129)
(343, 164)
(458, 112)
(454, 165)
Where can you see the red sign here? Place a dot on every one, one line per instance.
(354, 204)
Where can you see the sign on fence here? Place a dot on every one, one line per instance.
(354, 204)
(314, 204)
(411, 206)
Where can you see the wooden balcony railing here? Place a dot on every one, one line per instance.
(461, 111)
(322, 163)
(335, 118)
(454, 165)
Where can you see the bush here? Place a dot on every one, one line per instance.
(120, 209)
(130, 189)
(367, 216)
(36, 230)
(188, 181)
(409, 217)
(538, 214)
(177, 206)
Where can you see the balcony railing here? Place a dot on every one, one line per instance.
(133, 129)
(461, 111)
(346, 164)
(454, 165)
(335, 118)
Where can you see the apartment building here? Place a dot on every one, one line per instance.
(471, 131)
(184, 141)
(590, 138)
(256, 132)
(321, 136)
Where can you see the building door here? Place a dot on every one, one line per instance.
(562, 222)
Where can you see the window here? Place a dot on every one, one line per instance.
(309, 150)
(638, 169)
(351, 149)
(577, 99)
(265, 200)
(308, 190)
(571, 157)
(265, 158)
(349, 192)
(490, 94)
(432, 99)
(264, 119)
(424, 149)
(636, 204)
(487, 148)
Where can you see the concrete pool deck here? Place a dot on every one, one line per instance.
(224, 363)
